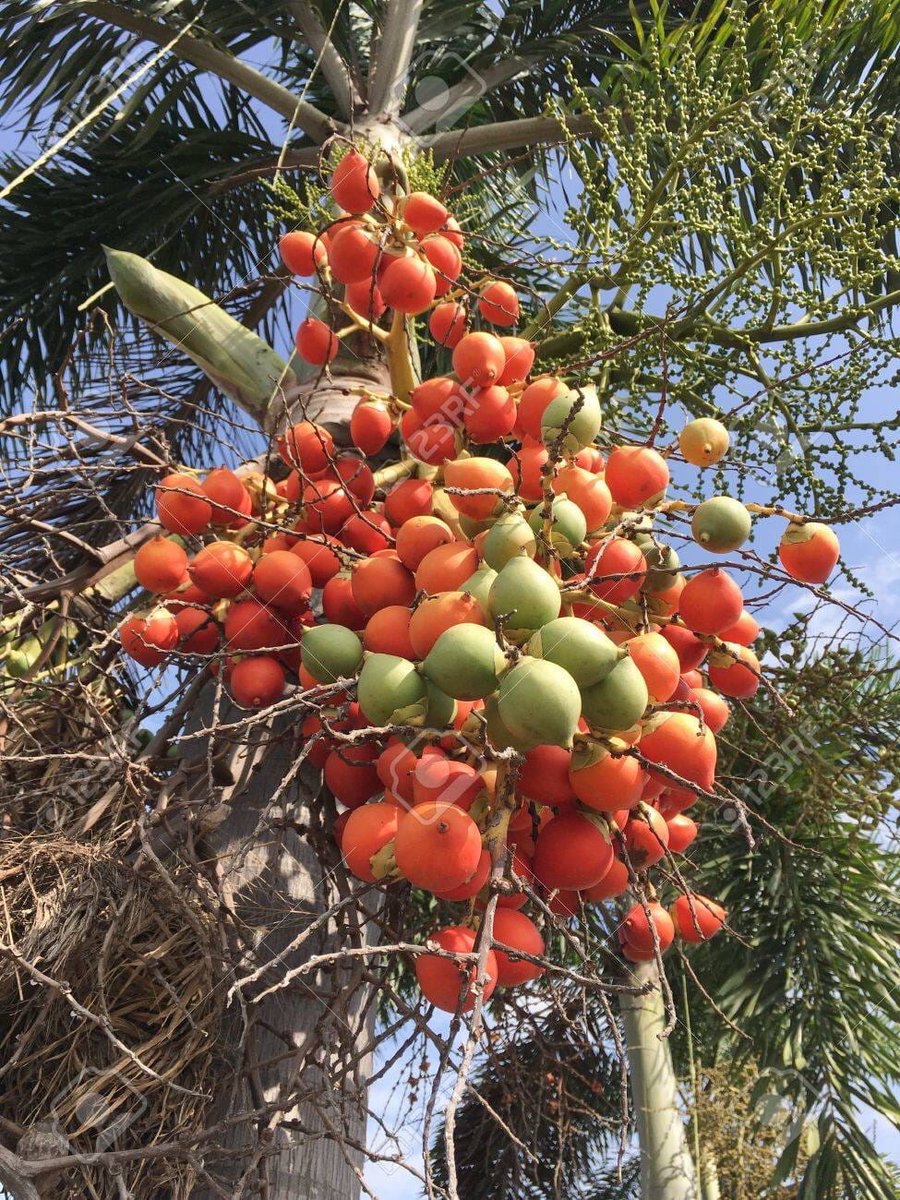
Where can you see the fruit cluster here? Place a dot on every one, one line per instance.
(517, 688)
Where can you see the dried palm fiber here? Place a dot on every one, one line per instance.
(137, 951)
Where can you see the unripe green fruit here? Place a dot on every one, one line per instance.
(510, 536)
(720, 524)
(583, 426)
(440, 709)
(618, 700)
(390, 690)
(499, 735)
(470, 527)
(578, 647)
(568, 528)
(663, 565)
(479, 584)
(330, 652)
(525, 594)
(22, 657)
(465, 662)
(540, 702)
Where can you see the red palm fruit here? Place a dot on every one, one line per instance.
(370, 426)
(395, 766)
(302, 252)
(315, 342)
(519, 354)
(710, 601)
(187, 593)
(690, 650)
(637, 927)
(443, 981)
(438, 778)
(679, 742)
(590, 458)
(437, 847)
(350, 774)
(227, 495)
(635, 956)
(519, 869)
(352, 254)
(657, 661)
(321, 561)
(544, 776)
(615, 569)
(682, 831)
(445, 260)
(447, 323)
(283, 579)
(613, 883)
(479, 359)
(160, 565)
(692, 679)
(451, 230)
(438, 613)
(525, 468)
(518, 932)
(646, 837)
(440, 397)
(256, 681)
(198, 633)
(408, 285)
(423, 213)
(367, 532)
(354, 184)
(477, 474)
(407, 499)
(365, 300)
(636, 475)
(471, 888)
(149, 639)
(387, 632)
(250, 625)
(572, 852)
(356, 476)
(419, 536)
(181, 505)
(715, 710)
(565, 903)
(696, 917)
(744, 631)
(381, 580)
(445, 568)
(490, 413)
(498, 303)
(368, 829)
(609, 783)
(735, 671)
(534, 400)
(311, 728)
(588, 491)
(809, 552)
(339, 606)
(222, 570)
(432, 442)
(307, 446)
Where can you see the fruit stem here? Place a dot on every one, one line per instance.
(398, 356)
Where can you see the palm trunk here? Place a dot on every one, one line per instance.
(667, 1170)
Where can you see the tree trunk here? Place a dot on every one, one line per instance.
(667, 1170)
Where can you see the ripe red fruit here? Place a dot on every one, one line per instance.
(437, 846)
(395, 766)
(438, 613)
(479, 359)
(586, 490)
(519, 359)
(490, 413)
(613, 883)
(149, 639)
(439, 397)
(445, 780)
(365, 300)
(696, 917)
(408, 285)
(408, 498)
(636, 475)
(544, 776)
(471, 888)
(228, 496)
(307, 446)
(198, 633)
(534, 401)
(160, 565)
(366, 532)
(525, 468)
(380, 581)
(221, 570)
(432, 442)
(715, 710)
(690, 650)
(735, 672)
(571, 852)
(809, 552)
(315, 342)
(744, 631)
(322, 562)
(445, 568)
(637, 929)
(477, 474)
(387, 632)
(678, 741)
(367, 830)
(419, 536)
(445, 260)
(338, 604)
(519, 932)
(181, 505)
(498, 303)
(326, 505)
(302, 252)
(710, 601)
(615, 570)
(354, 184)
(682, 831)
(370, 426)
(610, 783)
(658, 662)
(646, 837)
(350, 774)
(423, 213)
(283, 579)
(249, 625)
(352, 254)
(442, 980)
(256, 682)
(453, 233)
(447, 323)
